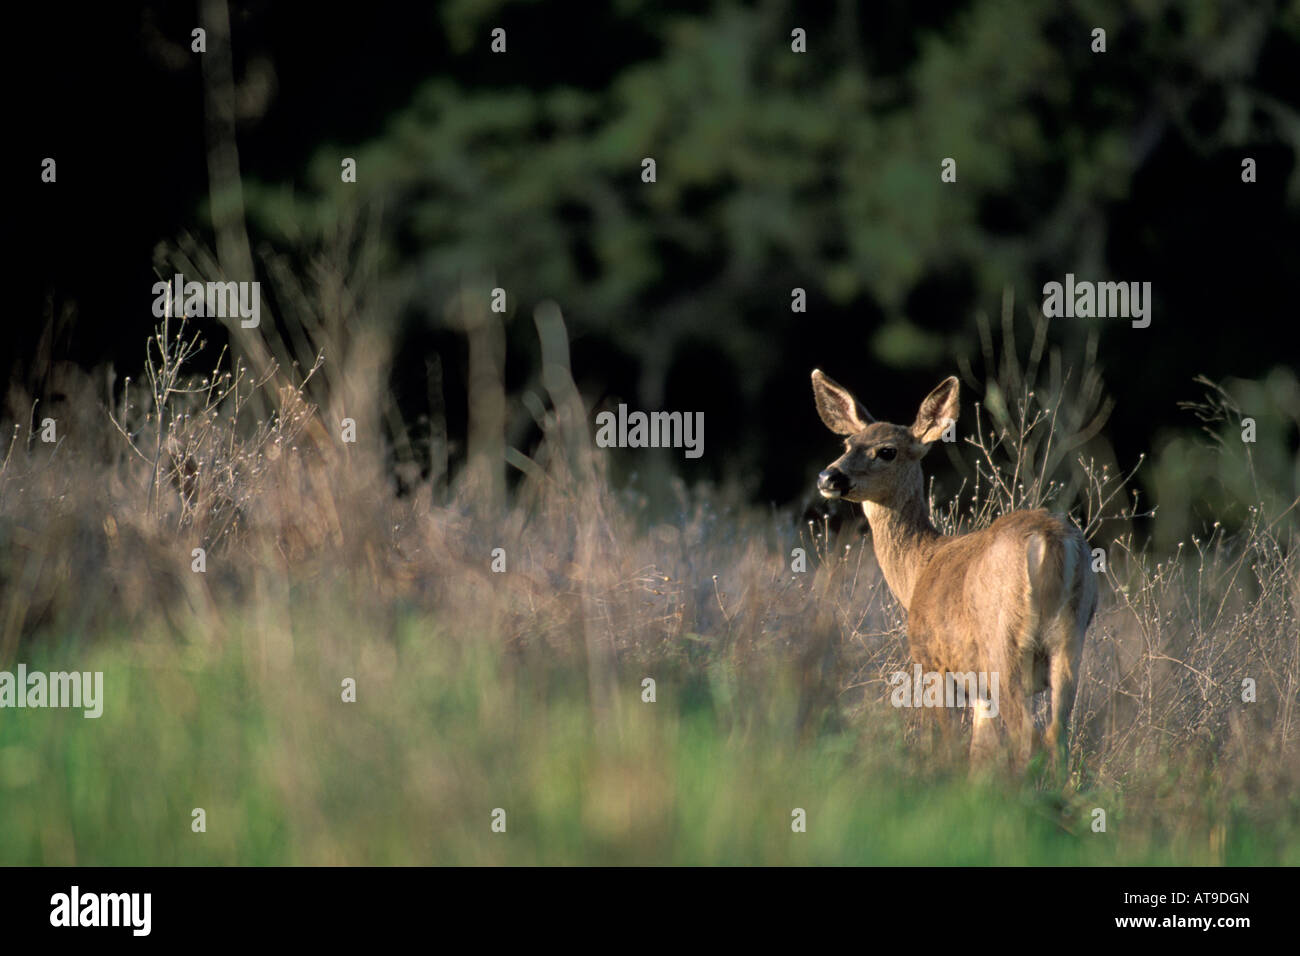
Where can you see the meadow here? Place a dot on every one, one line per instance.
(523, 689)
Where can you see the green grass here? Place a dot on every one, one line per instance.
(522, 690)
(253, 730)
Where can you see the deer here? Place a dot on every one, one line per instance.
(1014, 599)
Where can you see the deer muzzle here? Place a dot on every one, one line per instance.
(832, 483)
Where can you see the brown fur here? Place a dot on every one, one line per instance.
(1014, 599)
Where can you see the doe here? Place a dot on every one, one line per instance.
(1014, 599)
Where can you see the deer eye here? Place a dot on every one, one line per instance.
(887, 453)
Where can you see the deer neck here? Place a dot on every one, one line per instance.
(903, 537)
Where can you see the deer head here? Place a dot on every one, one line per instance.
(881, 462)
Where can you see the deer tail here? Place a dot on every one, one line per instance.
(1052, 563)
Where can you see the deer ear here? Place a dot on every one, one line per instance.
(938, 410)
(839, 410)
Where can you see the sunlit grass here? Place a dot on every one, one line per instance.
(444, 732)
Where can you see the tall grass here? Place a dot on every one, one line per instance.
(525, 690)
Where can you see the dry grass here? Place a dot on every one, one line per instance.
(317, 566)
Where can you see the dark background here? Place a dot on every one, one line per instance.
(775, 171)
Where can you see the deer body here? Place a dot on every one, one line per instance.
(1014, 599)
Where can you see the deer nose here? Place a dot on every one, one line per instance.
(832, 483)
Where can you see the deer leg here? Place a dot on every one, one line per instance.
(938, 729)
(1020, 728)
(1015, 706)
(984, 733)
(1064, 674)
(949, 719)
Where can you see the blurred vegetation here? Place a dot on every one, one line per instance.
(446, 730)
(523, 689)
(821, 171)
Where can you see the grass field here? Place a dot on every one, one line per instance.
(522, 690)
(444, 731)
